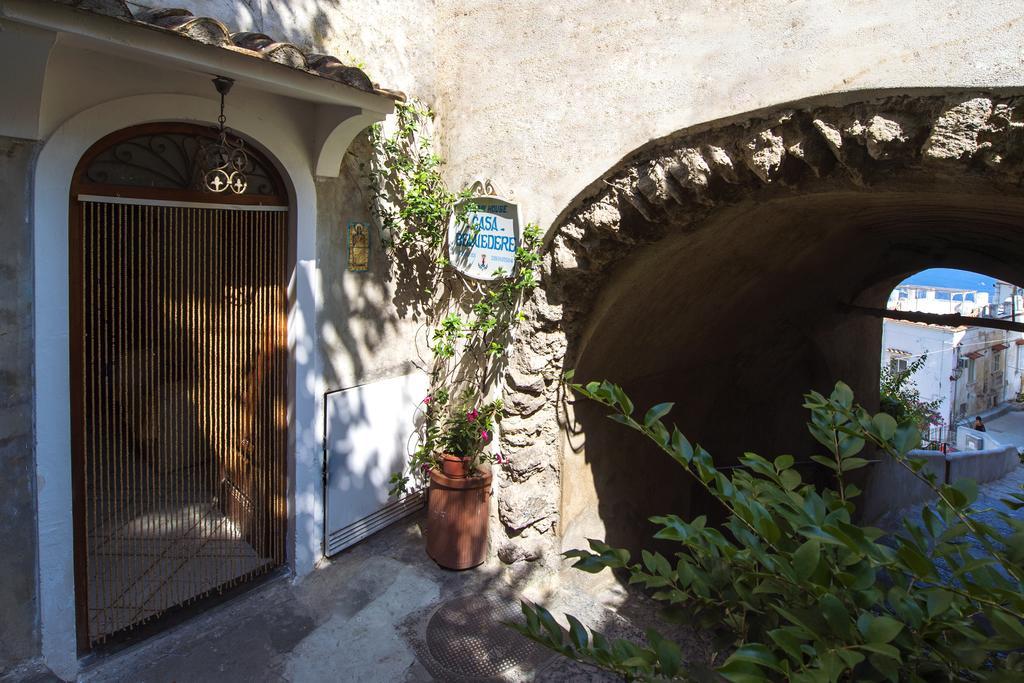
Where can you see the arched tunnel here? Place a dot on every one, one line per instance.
(736, 317)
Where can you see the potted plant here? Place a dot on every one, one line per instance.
(466, 429)
(454, 458)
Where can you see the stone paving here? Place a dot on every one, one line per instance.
(1008, 429)
(989, 500)
(362, 617)
(988, 504)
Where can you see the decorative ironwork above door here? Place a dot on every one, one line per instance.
(171, 158)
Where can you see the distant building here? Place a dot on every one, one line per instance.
(942, 300)
(969, 369)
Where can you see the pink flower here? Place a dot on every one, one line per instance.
(428, 399)
(500, 459)
(472, 415)
(485, 435)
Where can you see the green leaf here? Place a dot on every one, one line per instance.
(850, 446)
(968, 488)
(827, 462)
(532, 622)
(850, 464)
(917, 562)
(656, 413)
(851, 658)
(783, 462)
(670, 656)
(635, 662)
(790, 479)
(755, 653)
(814, 507)
(623, 400)
(1008, 627)
(842, 394)
(882, 649)
(886, 426)
(577, 633)
(682, 447)
(551, 626)
(621, 419)
(886, 665)
(789, 639)
(805, 559)
(938, 601)
(906, 439)
(836, 614)
(879, 629)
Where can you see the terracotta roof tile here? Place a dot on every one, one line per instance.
(211, 31)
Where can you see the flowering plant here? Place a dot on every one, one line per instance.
(463, 427)
(901, 398)
(467, 429)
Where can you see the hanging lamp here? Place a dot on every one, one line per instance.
(225, 161)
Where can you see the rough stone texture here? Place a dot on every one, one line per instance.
(955, 133)
(875, 190)
(19, 636)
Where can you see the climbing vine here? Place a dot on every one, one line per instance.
(469, 325)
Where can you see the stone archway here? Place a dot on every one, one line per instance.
(760, 228)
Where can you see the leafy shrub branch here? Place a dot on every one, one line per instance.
(469, 326)
(793, 588)
(901, 398)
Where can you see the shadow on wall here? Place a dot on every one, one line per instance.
(737, 320)
(19, 635)
(368, 326)
(745, 395)
(391, 45)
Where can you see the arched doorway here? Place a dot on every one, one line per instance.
(728, 268)
(178, 361)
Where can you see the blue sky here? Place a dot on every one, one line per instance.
(948, 277)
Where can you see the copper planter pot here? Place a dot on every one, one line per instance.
(457, 514)
(453, 466)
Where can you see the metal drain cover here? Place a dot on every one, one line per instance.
(466, 637)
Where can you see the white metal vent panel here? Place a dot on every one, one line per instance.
(370, 432)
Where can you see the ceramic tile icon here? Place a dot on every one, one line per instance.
(358, 246)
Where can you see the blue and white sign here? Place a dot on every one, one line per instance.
(486, 241)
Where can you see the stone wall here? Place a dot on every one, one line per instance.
(805, 209)
(892, 486)
(983, 466)
(19, 633)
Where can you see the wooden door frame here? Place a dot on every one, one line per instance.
(82, 186)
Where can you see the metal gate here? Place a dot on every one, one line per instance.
(180, 405)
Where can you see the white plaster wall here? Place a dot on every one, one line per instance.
(73, 122)
(1015, 367)
(937, 342)
(366, 332)
(545, 96)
